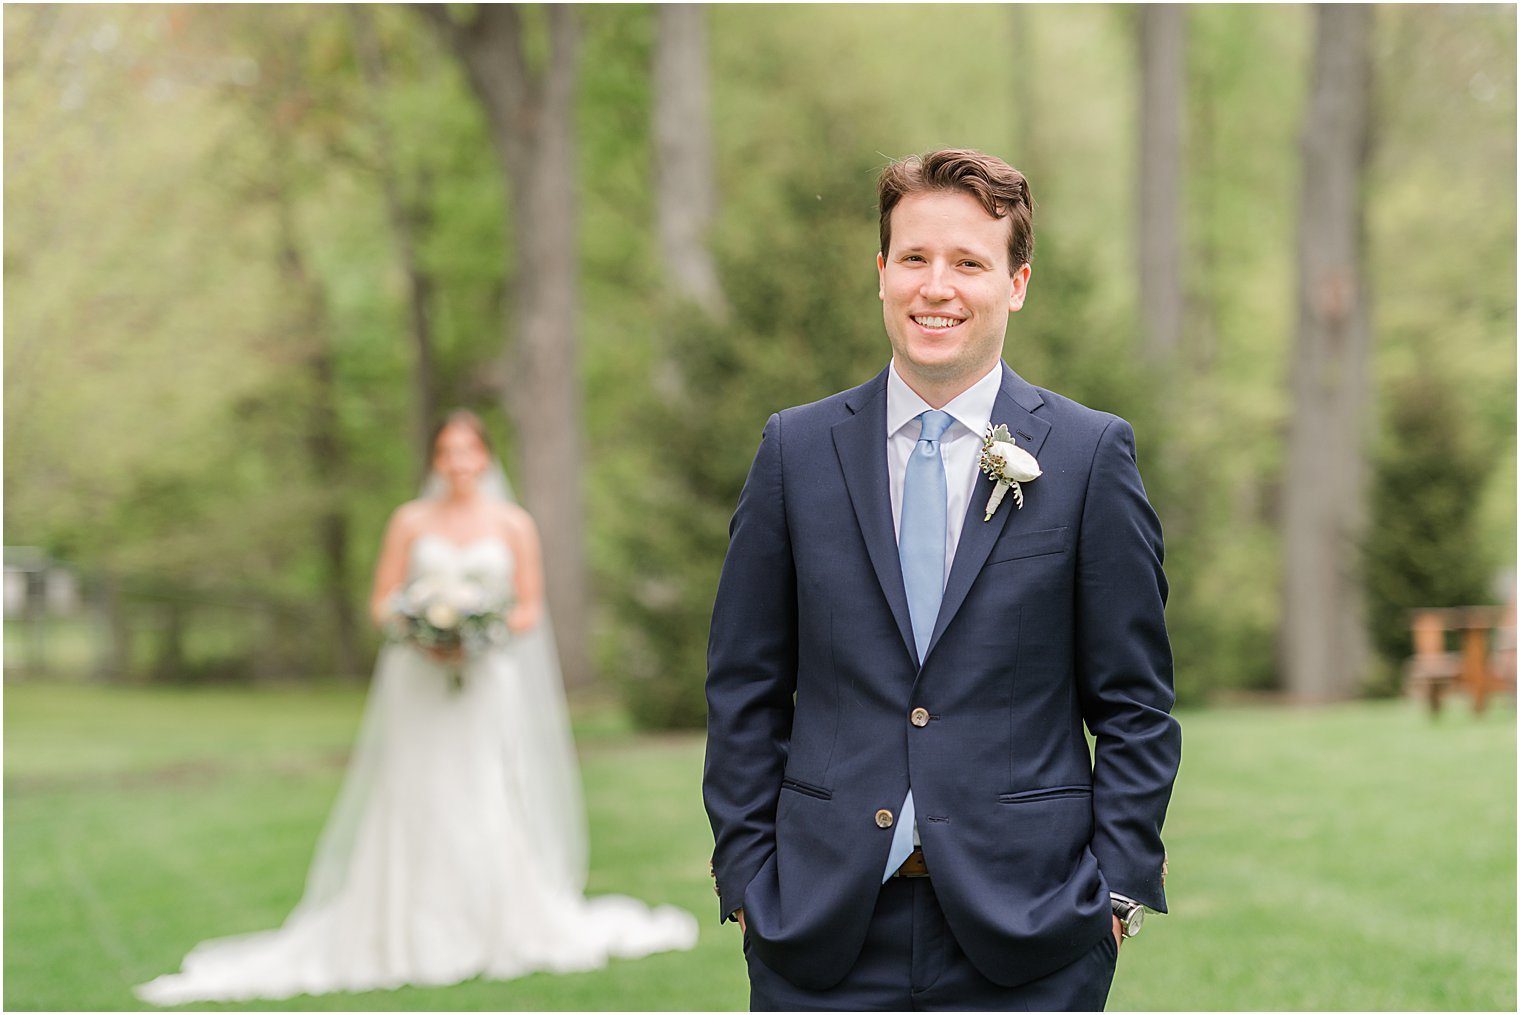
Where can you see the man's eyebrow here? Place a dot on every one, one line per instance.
(958, 251)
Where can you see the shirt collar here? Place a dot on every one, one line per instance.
(972, 408)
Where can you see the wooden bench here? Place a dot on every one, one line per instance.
(1483, 664)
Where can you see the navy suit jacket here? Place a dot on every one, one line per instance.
(1052, 619)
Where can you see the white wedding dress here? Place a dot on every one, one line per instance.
(457, 847)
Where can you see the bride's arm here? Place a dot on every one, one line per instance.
(390, 572)
(528, 582)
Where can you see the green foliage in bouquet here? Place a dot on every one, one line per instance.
(449, 617)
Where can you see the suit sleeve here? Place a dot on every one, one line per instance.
(751, 678)
(1124, 670)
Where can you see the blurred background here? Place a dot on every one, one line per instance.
(252, 253)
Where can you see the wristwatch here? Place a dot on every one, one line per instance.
(1131, 915)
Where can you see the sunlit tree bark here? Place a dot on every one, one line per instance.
(686, 194)
(1324, 638)
(530, 109)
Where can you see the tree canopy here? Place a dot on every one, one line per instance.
(210, 362)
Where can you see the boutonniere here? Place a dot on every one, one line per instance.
(1007, 464)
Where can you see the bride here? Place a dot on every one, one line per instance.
(457, 847)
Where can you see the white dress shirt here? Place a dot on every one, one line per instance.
(960, 448)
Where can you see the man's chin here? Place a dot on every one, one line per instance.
(943, 369)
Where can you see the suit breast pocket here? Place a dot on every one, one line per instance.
(1023, 545)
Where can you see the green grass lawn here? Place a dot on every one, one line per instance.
(1358, 857)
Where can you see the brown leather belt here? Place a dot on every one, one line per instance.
(913, 867)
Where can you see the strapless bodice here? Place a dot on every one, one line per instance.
(487, 561)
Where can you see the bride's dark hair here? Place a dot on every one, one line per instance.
(462, 417)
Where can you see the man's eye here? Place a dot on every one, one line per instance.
(971, 264)
(912, 257)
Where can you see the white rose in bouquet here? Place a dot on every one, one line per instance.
(442, 616)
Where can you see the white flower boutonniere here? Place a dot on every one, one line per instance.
(1008, 465)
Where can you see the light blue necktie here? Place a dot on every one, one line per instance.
(921, 549)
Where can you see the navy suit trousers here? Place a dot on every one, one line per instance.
(911, 962)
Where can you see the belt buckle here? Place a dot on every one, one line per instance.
(913, 867)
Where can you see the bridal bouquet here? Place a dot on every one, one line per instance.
(449, 616)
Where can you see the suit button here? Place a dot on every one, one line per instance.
(883, 818)
(919, 717)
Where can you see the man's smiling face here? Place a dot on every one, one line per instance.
(946, 291)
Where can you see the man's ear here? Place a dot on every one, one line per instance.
(1020, 288)
(881, 281)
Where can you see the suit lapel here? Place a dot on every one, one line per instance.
(1016, 401)
(861, 443)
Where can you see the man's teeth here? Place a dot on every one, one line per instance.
(936, 322)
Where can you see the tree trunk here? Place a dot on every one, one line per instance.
(408, 222)
(1324, 638)
(531, 115)
(114, 662)
(1207, 195)
(323, 439)
(686, 194)
(169, 667)
(1162, 97)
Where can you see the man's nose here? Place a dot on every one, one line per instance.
(936, 285)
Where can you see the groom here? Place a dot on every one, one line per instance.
(905, 810)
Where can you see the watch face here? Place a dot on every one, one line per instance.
(1133, 921)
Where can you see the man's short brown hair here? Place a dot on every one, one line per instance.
(1000, 188)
